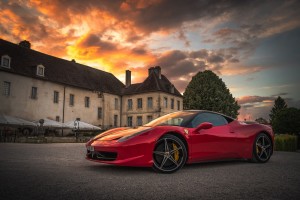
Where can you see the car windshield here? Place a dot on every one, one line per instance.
(173, 119)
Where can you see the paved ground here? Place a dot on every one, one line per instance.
(59, 171)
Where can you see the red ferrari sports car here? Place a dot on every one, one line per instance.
(170, 141)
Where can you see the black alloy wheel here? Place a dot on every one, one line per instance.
(262, 148)
(169, 154)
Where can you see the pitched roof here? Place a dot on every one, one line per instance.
(24, 62)
(152, 84)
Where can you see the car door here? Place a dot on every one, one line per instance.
(215, 143)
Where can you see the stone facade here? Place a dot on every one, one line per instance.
(20, 103)
(153, 106)
(35, 86)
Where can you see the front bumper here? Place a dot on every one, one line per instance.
(122, 154)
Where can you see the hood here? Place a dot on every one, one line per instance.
(117, 133)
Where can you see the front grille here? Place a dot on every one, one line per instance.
(102, 155)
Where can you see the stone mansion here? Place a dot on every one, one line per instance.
(35, 85)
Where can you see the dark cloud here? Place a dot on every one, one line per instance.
(182, 64)
(203, 53)
(170, 58)
(139, 50)
(174, 64)
(183, 67)
(167, 14)
(253, 99)
(25, 20)
(133, 38)
(92, 40)
(234, 60)
(215, 58)
(182, 36)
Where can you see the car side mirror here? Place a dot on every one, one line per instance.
(204, 125)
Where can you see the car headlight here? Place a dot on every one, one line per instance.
(125, 138)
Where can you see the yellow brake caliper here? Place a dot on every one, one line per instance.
(176, 152)
(257, 150)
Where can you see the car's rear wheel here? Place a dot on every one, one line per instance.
(169, 154)
(262, 148)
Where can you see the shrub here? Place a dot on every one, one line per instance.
(285, 142)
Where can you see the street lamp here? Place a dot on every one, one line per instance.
(76, 125)
(41, 121)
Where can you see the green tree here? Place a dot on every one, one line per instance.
(287, 121)
(279, 104)
(207, 91)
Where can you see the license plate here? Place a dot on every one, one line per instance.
(90, 148)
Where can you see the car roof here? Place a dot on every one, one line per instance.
(208, 111)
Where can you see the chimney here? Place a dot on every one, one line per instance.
(25, 44)
(150, 70)
(128, 78)
(157, 70)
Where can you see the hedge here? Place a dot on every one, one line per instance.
(285, 142)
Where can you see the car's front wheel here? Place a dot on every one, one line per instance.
(169, 154)
(262, 148)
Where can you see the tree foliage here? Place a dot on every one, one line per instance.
(207, 91)
(279, 104)
(287, 120)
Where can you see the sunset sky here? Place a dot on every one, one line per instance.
(254, 46)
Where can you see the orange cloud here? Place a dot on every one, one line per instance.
(92, 50)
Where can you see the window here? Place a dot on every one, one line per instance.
(56, 97)
(178, 105)
(115, 120)
(57, 118)
(215, 119)
(34, 93)
(116, 103)
(166, 102)
(149, 118)
(71, 103)
(6, 88)
(129, 104)
(172, 103)
(40, 70)
(99, 113)
(150, 102)
(129, 121)
(139, 120)
(5, 61)
(87, 102)
(140, 103)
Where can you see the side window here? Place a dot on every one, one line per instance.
(215, 119)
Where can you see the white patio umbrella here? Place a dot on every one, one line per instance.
(50, 123)
(15, 121)
(82, 125)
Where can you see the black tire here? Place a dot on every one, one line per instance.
(262, 148)
(169, 154)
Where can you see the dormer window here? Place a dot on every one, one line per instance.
(5, 61)
(40, 70)
(172, 89)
